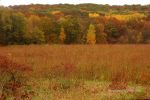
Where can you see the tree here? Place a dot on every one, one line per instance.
(93, 15)
(91, 36)
(135, 36)
(62, 35)
(146, 32)
(115, 29)
(53, 38)
(34, 35)
(48, 26)
(18, 29)
(112, 32)
(84, 25)
(124, 39)
(5, 25)
(139, 37)
(135, 23)
(101, 36)
(72, 29)
(33, 22)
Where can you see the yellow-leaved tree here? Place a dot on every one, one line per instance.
(93, 15)
(62, 35)
(91, 36)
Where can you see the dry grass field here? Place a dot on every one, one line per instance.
(73, 72)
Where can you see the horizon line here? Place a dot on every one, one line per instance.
(74, 4)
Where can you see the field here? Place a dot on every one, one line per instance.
(73, 72)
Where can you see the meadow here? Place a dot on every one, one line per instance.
(73, 72)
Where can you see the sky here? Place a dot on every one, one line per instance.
(111, 2)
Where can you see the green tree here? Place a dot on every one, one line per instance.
(72, 29)
(34, 35)
(91, 36)
(51, 29)
(18, 29)
(46, 25)
(5, 25)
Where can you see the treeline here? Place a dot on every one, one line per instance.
(74, 24)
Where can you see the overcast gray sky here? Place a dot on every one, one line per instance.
(111, 2)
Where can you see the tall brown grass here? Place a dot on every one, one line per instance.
(116, 63)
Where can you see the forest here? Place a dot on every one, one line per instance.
(74, 24)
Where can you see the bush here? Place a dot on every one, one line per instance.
(13, 78)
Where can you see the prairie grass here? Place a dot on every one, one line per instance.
(71, 67)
